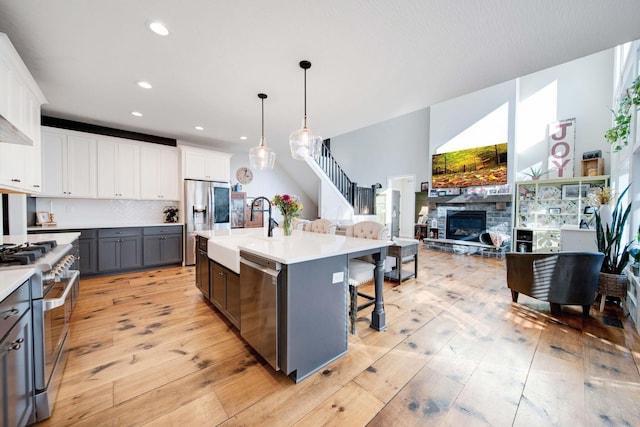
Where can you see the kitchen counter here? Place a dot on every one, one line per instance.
(301, 246)
(11, 279)
(61, 238)
(102, 225)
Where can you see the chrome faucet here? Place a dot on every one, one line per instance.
(271, 221)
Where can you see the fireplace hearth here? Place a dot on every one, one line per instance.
(465, 224)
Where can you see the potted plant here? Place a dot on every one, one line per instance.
(618, 134)
(609, 237)
(535, 173)
(609, 234)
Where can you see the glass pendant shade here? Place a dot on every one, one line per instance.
(304, 144)
(262, 157)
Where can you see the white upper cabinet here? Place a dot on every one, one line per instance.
(205, 164)
(20, 96)
(118, 170)
(20, 101)
(12, 166)
(159, 173)
(87, 165)
(68, 165)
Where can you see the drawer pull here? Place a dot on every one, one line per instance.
(10, 313)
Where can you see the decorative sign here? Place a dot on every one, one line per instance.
(561, 139)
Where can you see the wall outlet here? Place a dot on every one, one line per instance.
(338, 277)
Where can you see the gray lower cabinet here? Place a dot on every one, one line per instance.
(162, 245)
(105, 250)
(88, 246)
(16, 353)
(202, 267)
(225, 291)
(119, 249)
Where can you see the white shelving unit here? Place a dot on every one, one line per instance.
(543, 206)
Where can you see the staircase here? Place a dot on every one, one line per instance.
(361, 199)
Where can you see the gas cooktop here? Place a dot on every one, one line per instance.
(26, 253)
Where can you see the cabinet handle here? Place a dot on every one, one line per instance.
(15, 180)
(221, 274)
(36, 186)
(16, 344)
(7, 314)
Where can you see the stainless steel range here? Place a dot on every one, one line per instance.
(52, 288)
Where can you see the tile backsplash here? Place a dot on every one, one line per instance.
(78, 212)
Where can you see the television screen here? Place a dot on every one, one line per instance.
(471, 167)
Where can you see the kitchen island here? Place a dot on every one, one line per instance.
(303, 325)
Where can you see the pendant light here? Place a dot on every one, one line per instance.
(302, 141)
(262, 157)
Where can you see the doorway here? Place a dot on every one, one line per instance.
(406, 186)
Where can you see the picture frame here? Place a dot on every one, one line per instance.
(43, 217)
(574, 191)
(424, 186)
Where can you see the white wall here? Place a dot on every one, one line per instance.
(272, 182)
(579, 89)
(395, 147)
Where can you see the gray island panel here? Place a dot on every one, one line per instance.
(313, 323)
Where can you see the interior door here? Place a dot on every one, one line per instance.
(395, 213)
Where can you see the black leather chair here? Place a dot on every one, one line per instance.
(564, 278)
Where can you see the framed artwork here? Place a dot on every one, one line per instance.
(424, 186)
(574, 191)
(43, 217)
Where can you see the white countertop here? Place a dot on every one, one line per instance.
(61, 238)
(102, 225)
(11, 279)
(299, 247)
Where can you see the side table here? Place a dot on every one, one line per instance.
(401, 249)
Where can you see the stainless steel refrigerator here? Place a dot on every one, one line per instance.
(206, 206)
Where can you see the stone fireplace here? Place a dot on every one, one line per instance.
(496, 209)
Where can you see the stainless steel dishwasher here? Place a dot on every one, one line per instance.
(259, 305)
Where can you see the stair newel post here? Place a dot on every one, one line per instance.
(352, 195)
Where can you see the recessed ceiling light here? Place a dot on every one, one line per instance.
(243, 138)
(144, 85)
(158, 28)
(198, 127)
(136, 113)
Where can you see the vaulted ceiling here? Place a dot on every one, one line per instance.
(372, 60)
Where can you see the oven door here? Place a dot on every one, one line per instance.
(51, 330)
(57, 306)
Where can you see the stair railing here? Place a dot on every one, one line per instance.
(363, 199)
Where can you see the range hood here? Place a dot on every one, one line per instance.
(11, 134)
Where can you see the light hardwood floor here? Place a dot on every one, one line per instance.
(146, 350)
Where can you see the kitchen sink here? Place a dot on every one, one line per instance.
(226, 250)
